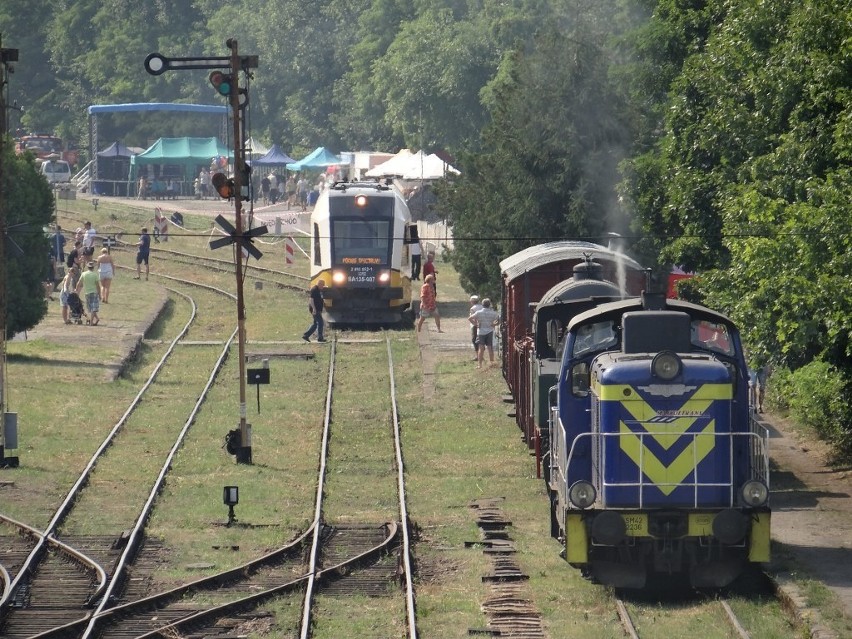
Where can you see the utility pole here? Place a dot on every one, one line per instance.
(227, 84)
(7, 56)
(244, 451)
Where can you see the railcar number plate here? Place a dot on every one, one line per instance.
(637, 525)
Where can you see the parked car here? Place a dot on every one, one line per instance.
(56, 171)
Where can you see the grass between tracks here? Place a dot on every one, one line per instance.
(459, 446)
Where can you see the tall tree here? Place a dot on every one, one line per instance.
(29, 207)
(549, 164)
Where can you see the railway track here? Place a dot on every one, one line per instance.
(635, 614)
(345, 559)
(367, 430)
(38, 598)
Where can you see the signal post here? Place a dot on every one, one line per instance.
(225, 79)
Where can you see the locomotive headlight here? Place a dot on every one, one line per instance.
(338, 277)
(666, 365)
(754, 493)
(582, 494)
(360, 201)
(384, 277)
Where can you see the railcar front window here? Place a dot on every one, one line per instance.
(361, 238)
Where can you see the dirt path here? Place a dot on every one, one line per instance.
(811, 511)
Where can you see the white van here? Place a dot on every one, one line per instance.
(56, 171)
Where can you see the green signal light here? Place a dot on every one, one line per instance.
(221, 82)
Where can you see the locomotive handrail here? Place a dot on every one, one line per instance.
(759, 455)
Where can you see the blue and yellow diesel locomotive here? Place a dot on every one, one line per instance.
(656, 465)
(361, 235)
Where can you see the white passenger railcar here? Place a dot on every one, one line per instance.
(362, 234)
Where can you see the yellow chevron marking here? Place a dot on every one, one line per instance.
(664, 477)
(667, 433)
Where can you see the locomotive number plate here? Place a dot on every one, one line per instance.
(637, 525)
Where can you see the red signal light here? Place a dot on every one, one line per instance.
(224, 186)
(221, 82)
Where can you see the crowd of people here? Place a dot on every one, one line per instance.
(84, 280)
(295, 191)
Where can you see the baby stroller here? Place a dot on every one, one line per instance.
(75, 308)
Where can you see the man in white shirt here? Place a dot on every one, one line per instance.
(88, 239)
(485, 320)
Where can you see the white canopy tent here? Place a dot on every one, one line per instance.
(395, 166)
(256, 148)
(427, 167)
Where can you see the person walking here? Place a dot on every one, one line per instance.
(143, 253)
(428, 304)
(485, 320)
(316, 306)
(416, 253)
(68, 286)
(106, 271)
(429, 269)
(290, 191)
(762, 374)
(57, 245)
(474, 307)
(302, 192)
(89, 285)
(88, 240)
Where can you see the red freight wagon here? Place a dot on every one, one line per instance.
(526, 277)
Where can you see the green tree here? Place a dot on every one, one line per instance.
(549, 161)
(29, 207)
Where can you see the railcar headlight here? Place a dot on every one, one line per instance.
(338, 277)
(754, 493)
(384, 277)
(582, 494)
(666, 365)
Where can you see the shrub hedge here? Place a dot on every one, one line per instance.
(817, 396)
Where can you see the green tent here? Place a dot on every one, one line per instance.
(189, 153)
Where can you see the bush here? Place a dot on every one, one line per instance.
(817, 396)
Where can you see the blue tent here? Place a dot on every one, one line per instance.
(275, 157)
(319, 158)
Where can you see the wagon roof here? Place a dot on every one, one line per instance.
(544, 254)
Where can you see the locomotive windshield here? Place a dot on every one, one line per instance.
(361, 238)
(361, 229)
(712, 336)
(594, 337)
